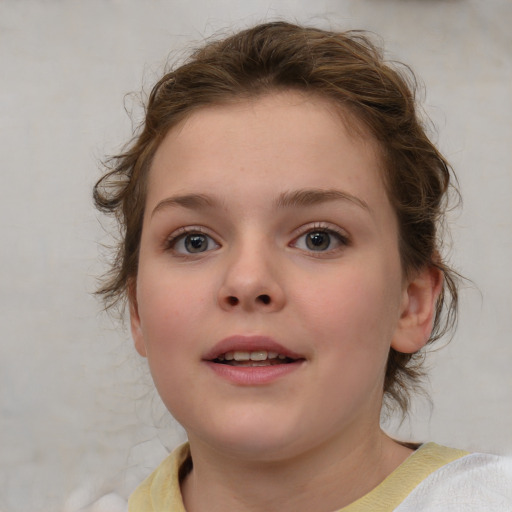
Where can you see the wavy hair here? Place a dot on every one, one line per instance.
(346, 68)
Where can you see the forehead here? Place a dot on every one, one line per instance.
(281, 140)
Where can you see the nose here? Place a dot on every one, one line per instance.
(252, 281)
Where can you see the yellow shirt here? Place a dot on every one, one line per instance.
(160, 492)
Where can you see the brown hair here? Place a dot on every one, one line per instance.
(346, 68)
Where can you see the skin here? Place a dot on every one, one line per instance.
(309, 439)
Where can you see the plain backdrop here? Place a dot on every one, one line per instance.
(76, 403)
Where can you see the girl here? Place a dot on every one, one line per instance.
(280, 212)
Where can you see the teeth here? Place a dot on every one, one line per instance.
(259, 356)
(256, 355)
(241, 356)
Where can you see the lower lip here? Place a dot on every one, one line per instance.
(253, 375)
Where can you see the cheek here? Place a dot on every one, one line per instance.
(169, 308)
(167, 316)
(176, 322)
(352, 325)
(355, 300)
(352, 317)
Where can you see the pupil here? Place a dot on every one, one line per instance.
(196, 243)
(318, 240)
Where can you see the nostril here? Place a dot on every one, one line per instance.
(264, 298)
(232, 301)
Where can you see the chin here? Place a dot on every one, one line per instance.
(250, 438)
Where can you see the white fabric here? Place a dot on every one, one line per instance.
(474, 483)
(91, 497)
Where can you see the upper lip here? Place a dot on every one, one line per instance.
(249, 344)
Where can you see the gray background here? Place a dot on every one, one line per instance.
(76, 405)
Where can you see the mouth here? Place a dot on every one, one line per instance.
(251, 351)
(254, 358)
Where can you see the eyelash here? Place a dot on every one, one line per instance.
(182, 233)
(333, 232)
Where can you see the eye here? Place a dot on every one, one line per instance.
(193, 243)
(320, 240)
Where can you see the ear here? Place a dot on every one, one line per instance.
(417, 311)
(135, 323)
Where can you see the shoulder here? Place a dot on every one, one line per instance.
(440, 479)
(470, 483)
(161, 489)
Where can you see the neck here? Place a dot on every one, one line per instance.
(326, 478)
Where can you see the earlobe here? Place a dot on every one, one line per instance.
(418, 311)
(135, 324)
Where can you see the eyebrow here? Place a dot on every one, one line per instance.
(189, 201)
(294, 198)
(313, 196)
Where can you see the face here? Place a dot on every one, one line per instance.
(269, 288)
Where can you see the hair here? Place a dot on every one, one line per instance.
(346, 68)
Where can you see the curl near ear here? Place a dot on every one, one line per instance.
(419, 299)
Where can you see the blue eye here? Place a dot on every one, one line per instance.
(193, 243)
(320, 240)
